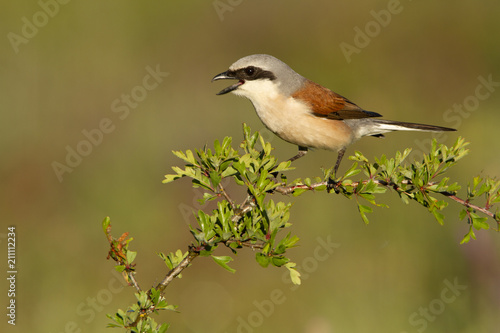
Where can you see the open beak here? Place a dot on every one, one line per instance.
(227, 76)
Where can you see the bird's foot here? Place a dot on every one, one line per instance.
(332, 184)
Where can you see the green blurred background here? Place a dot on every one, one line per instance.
(63, 80)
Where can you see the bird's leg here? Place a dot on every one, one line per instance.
(331, 184)
(302, 152)
(339, 158)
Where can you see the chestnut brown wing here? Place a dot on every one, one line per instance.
(328, 104)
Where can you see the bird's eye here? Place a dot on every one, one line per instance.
(250, 71)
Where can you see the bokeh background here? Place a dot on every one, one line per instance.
(64, 76)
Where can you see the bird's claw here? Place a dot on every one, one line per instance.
(332, 184)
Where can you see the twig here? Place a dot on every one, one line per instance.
(133, 281)
(192, 254)
(285, 190)
(468, 204)
(244, 208)
(245, 243)
(224, 193)
(289, 189)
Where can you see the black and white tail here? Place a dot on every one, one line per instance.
(376, 127)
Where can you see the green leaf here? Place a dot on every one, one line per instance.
(262, 181)
(163, 328)
(352, 171)
(476, 181)
(119, 268)
(155, 295)
(226, 143)
(468, 236)
(439, 217)
(280, 249)
(215, 178)
(262, 259)
(320, 188)
(484, 188)
(240, 167)
(187, 157)
(142, 298)
(453, 187)
(222, 261)
(203, 182)
(105, 224)
(283, 166)
(299, 191)
(229, 171)
(217, 147)
(288, 241)
(364, 209)
(246, 131)
(358, 156)
(294, 274)
(479, 222)
(131, 256)
(279, 261)
(170, 178)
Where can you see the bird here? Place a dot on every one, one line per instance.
(303, 112)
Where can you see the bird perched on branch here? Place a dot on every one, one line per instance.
(303, 112)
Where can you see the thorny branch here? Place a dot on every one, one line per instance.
(253, 169)
(133, 281)
(249, 204)
(469, 205)
(192, 254)
(285, 190)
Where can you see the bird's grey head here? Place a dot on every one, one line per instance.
(260, 68)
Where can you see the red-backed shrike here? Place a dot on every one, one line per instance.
(303, 112)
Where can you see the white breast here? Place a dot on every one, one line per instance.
(292, 120)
